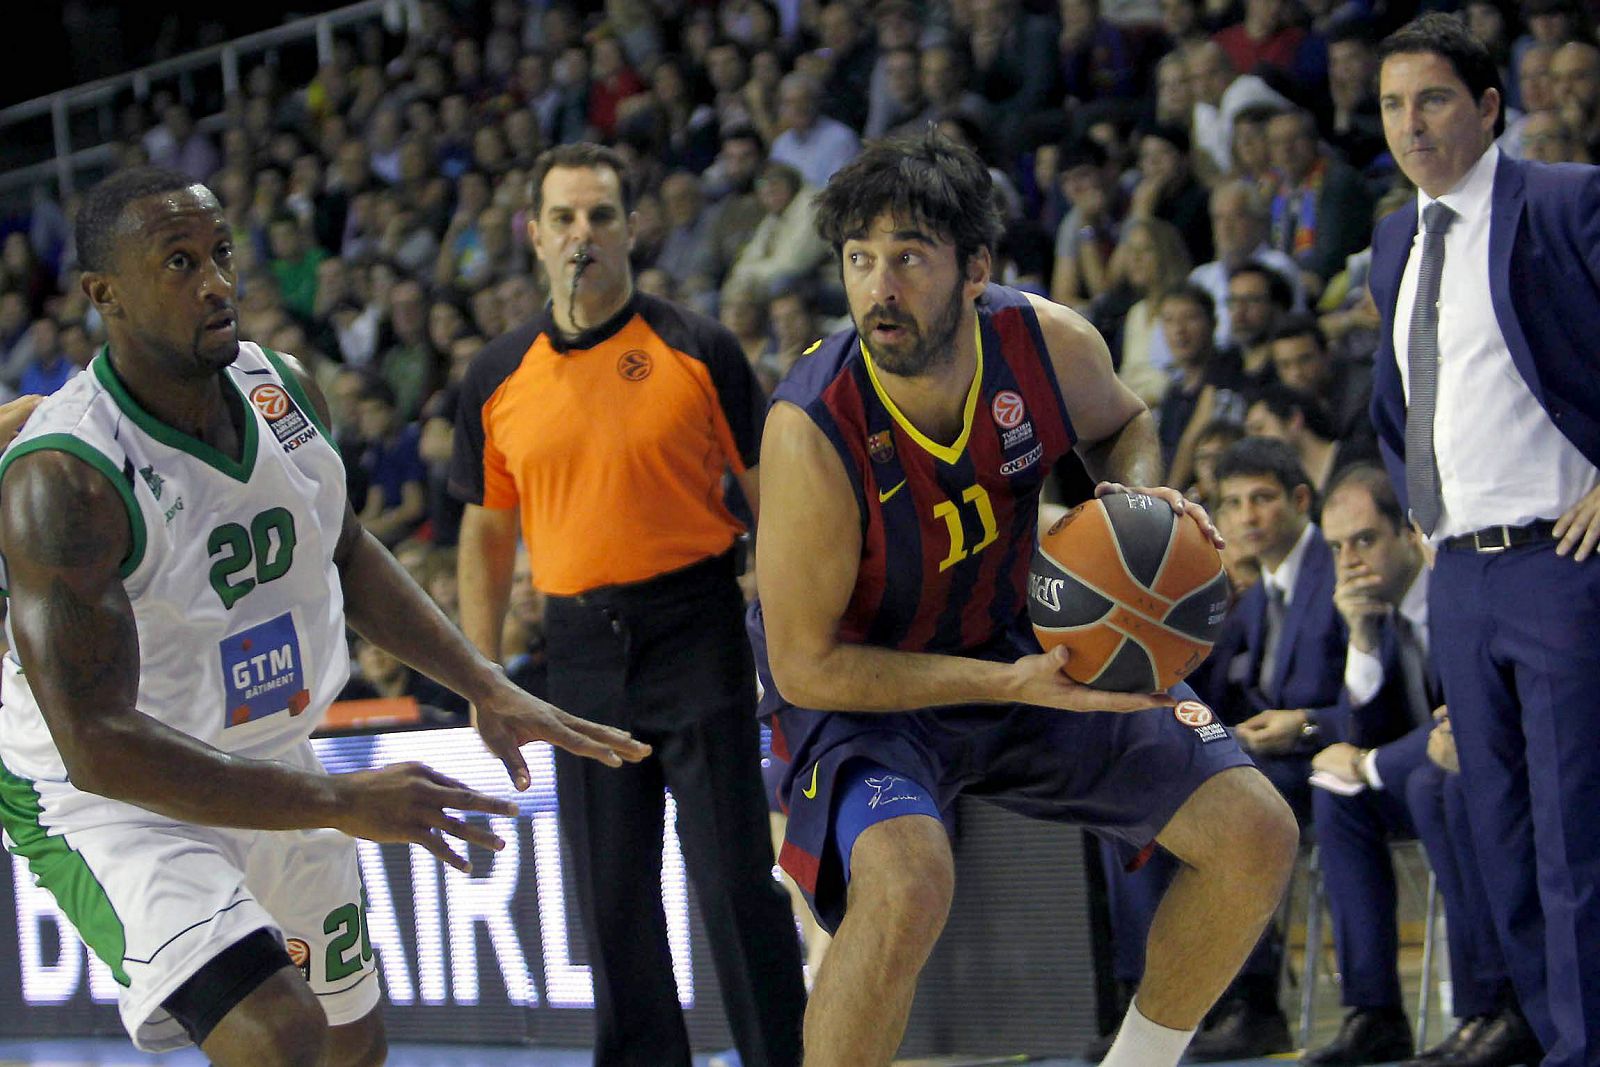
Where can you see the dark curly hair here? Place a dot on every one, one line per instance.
(926, 180)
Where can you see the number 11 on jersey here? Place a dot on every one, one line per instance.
(950, 512)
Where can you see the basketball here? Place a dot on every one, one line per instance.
(1136, 593)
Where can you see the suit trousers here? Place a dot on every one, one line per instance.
(1517, 642)
(1438, 805)
(1353, 834)
(668, 660)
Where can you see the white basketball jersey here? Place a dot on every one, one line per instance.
(235, 595)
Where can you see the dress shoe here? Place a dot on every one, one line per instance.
(1440, 1054)
(1242, 1030)
(1504, 1040)
(1368, 1035)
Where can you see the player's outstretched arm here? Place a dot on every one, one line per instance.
(384, 605)
(64, 532)
(808, 550)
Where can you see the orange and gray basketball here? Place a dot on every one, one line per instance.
(1136, 593)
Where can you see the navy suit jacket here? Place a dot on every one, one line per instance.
(1544, 282)
(1387, 716)
(1310, 663)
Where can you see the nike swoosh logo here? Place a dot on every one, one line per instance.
(883, 497)
(811, 792)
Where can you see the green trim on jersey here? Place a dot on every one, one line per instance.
(292, 382)
(239, 470)
(81, 449)
(64, 872)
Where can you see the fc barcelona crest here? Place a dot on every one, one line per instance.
(880, 446)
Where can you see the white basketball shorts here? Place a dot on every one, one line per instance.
(156, 899)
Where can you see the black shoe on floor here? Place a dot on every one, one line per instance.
(1242, 1030)
(1504, 1040)
(1441, 1055)
(1368, 1035)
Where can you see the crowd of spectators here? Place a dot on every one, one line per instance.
(1189, 160)
(1199, 178)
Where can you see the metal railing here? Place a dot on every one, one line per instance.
(66, 161)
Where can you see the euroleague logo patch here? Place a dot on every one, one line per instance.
(1199, 718)
(1007, 409)
(300, 956)
(635, 365)
(288, 425)
(270, 400)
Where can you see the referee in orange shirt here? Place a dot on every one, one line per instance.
(603, 429)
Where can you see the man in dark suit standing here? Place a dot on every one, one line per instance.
(1487, 404)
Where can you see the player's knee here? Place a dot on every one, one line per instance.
(303, 1043)
(1237, 828)
(1263, 835)
(248, 1004)
(902, 872)
(290, 1032)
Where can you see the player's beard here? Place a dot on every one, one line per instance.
(914, 354)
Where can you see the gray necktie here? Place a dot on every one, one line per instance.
(1422, 362)
(1272, 637)
(1414, 670)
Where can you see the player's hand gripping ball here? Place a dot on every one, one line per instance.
(1136, 593)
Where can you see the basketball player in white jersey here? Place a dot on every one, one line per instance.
(181, 561)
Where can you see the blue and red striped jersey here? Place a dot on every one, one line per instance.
(947, 530)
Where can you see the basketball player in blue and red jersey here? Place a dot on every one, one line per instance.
(901, 468)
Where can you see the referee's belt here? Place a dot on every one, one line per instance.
(1500, 538)
(711, 573)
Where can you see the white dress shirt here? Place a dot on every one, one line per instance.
(1288, 571)
(1501, 459)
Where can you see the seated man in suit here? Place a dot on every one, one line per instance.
(1382, 750)
(1378, 741)
(1275, 674)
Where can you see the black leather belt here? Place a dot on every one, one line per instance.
(1500, 538)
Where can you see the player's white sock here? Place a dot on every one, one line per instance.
(1142, 1043)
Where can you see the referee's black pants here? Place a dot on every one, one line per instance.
(668, 660)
